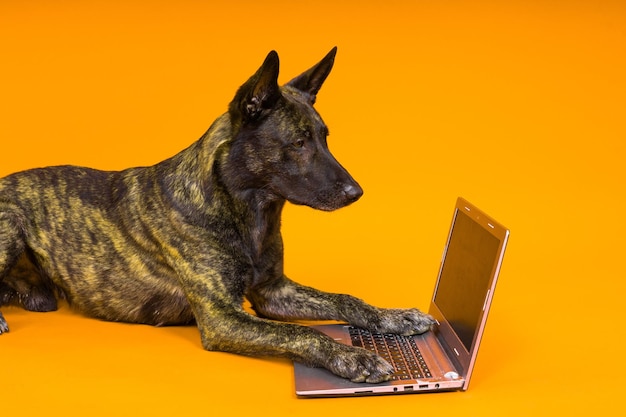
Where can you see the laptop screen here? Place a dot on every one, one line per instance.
(465, 276)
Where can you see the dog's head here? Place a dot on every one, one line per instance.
(279, 140)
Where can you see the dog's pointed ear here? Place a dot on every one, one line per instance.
(259, 93)
(311, 81)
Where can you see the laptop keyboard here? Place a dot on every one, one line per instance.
(400, 351)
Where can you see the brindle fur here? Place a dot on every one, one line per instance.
(187, 239)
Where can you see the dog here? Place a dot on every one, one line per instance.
(188, 239)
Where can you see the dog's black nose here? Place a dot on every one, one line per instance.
(352, 192)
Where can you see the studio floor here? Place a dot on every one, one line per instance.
(517, 106)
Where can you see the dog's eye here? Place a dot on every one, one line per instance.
(304, 135)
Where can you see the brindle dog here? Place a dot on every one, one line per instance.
(187, 239)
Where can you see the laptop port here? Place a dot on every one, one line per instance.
(423, 386)
(408, 387)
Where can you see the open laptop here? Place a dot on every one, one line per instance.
(445, 356)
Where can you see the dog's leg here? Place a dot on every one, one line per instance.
(11, 246)
(287, 300)
(234, 330)
(225, 326)
(26, 286)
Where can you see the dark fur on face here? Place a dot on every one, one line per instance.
(187, 239)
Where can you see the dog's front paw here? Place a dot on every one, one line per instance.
(404, 322)
(359, 365)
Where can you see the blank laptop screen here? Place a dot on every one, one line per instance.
(465, 275)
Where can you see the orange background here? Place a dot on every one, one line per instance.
(520, 108)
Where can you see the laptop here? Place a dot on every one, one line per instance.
(444, 357)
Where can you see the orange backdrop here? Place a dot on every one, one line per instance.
(518, 107)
